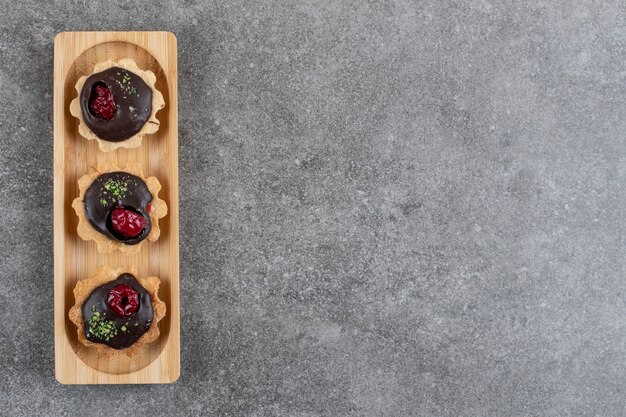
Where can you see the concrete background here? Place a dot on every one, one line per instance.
(388, 208)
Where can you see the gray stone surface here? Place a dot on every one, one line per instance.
(388, 208)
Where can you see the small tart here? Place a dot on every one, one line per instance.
(142, 200)
(130, 123)
(106, 327)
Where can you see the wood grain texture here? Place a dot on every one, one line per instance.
(75, 54)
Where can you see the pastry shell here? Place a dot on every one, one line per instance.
(152, 124)
(101, 276)
(104, 244)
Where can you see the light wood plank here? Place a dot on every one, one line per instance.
(75, 54)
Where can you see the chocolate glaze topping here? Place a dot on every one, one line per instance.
(103, 325)
(133, 98)
(114, 189)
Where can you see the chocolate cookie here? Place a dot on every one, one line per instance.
(119, 209)
(117, 205)
(118, 313)
(115, 104)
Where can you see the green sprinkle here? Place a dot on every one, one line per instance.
(123, 328)
(100, 328)
(117, 188)
(103, 202)
(125, 83)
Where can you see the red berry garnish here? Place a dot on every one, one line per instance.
(127, 223)
(103, 103)
(123, 300)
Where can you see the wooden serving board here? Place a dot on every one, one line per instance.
(75, 54)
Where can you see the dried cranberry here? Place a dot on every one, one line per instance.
(103, 103)
(126, 222)
(123, 300)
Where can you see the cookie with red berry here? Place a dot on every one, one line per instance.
(119, 209)
(117, 312)
(117, 104)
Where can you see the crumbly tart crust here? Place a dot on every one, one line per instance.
(104, 244)
(101, 276)
(152, 124)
